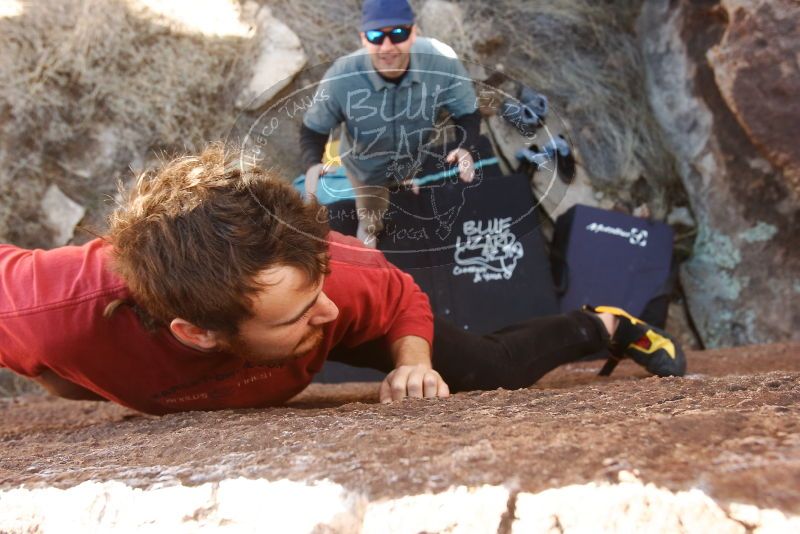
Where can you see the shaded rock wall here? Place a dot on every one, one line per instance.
(721, 79)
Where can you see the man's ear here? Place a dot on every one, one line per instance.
(364, 41)
(193, 336)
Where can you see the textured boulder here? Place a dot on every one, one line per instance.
(280, 58)
(717, 451)
(721, 80)
(757, 70)
(61, 213)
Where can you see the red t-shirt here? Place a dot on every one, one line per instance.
(51, 317)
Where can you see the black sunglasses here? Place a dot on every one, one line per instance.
(398, 34)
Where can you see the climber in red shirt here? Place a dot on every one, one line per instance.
(219, 287)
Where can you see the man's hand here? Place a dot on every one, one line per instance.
(413, 375)
(312, 176)
(466, 168)
(466, 165)
(410, 183)
(416, 381)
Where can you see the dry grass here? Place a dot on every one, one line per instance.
(583, 54)
(328, 30)
(69, 66)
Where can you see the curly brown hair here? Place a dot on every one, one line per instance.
(191, 237)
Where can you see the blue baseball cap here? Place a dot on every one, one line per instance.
(377, 14)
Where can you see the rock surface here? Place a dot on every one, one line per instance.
(280, 58)
(718, 76)
(757, 69)
(61, 213)
(716, 450)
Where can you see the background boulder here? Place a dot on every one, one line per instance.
(720, 79)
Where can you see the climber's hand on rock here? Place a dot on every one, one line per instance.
(416, 381)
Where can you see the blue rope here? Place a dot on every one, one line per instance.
(327, 193)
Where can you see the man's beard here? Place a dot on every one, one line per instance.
(238, 346)
(394, 66)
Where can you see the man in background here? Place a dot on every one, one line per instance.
(387, 97)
